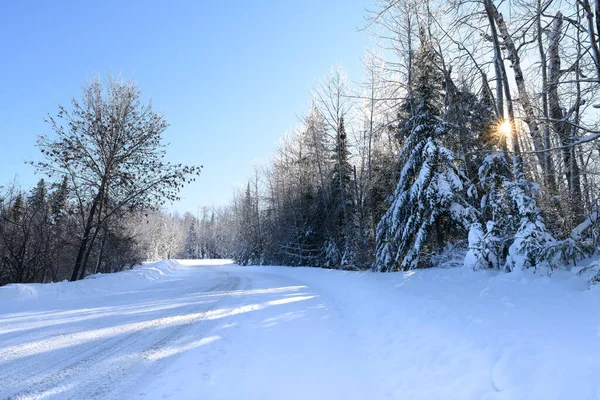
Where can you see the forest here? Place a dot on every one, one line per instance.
(471, 138)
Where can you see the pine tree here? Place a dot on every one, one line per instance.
(250, 251)
(511, 232)
(17, 208)
(531, 240)
(428, 199)
(491, 235)
(58, 201)
(191, 242)
(341, 248)
(39, 195)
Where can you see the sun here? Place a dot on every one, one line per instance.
(504, 128)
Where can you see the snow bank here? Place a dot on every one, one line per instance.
(94, 284)
(459, 334)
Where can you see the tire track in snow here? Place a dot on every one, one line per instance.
(47, 376)
(42, 365)
(141, 376)
(130, 373)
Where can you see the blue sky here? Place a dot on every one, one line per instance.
(230, 76)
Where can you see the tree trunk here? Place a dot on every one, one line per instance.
(100, 253)
(547, 164)
(500, 74)
(85, 239)
(86, 257)
(516, 158)
(562, 128)
(592, 31)
(524, 99)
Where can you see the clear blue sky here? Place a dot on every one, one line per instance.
(231, 76)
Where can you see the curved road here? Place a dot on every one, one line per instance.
(205, 332)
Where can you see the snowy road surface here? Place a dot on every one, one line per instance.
(207, 331)
(117, 345)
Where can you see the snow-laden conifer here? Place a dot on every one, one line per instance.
(428, 201)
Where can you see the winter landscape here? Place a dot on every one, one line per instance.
(196, 329)
(192, 207)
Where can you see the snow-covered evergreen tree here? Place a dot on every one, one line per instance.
(17, 208)
(490, 235)
(58, 200)
(428, 199)
(38, 196)
(531, 240)
(192, 246)
(511, 232)
(343, 227)
(250, 250)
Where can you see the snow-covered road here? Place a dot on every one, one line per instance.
(205, 332)
(209, 330)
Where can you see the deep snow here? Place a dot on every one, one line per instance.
(210, 330)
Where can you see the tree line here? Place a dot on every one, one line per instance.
(105, 175)
(473, 132)
(472, 135)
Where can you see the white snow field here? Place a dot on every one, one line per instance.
(213, 330)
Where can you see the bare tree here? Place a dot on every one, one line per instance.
(109, 146)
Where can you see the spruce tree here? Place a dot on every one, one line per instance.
(38, 196)
(428, 199)
(17, 208)
(191, 242)
(250, 251)
(58, 200)
(341, 248)
(491, 235)
(511, 232)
